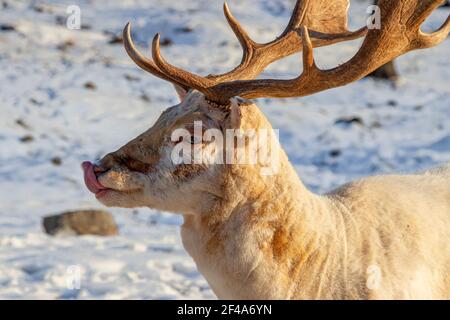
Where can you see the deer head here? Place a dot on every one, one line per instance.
(143, 173)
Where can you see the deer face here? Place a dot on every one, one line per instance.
(144, 172)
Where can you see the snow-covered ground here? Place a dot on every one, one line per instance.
(71, 95)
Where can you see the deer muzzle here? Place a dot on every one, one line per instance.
(90, 178)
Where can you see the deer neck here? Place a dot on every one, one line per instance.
(263, 229)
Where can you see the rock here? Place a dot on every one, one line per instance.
(130, 78)
(26, 138)
(82, 222)
(57, 161)
(43, 8)
(145, 97)
(38, 8)
(349, 120)
(392, 103)
(7, 27)
(166, 42)
(116, 39)
(65, 45)
(376, 125)
(36, 102)
(60, 20)
(186, 29)
(23, 124)
(335, 153)
(90, 85)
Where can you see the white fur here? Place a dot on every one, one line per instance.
(257, 236)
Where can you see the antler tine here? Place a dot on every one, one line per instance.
(249, 48)
(143, 62)
(297, 17)
(400, 33)
(428, 40)
(187, 78)
(309, 65)
(423, 11)
(246, 42)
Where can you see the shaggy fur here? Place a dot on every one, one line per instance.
(256, 236)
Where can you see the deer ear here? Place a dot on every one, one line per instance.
(180, 91)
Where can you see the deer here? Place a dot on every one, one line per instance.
(254, 235)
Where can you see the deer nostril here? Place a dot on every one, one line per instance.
(98, 169)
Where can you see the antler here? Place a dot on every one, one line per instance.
(400, 33)
(256, 56)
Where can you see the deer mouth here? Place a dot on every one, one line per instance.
(91, 181)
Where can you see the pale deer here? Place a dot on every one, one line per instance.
(259, 236)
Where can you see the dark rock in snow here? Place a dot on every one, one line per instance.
(130, 77)
(392, 103)
(56, 161)
(335, 153)
(26, 138)
(23, 124)
(376, 125)
(349, 120)
(166, 42)
(184, 29)
(65, 45)
(7, 27)
(90, 85)
(82, 222)
(116, 39)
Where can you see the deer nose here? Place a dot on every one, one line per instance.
(98, 169)
(106, 163)
(87, 165)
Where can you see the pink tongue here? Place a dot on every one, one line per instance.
(90, 179)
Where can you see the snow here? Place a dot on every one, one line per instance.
(44, 68)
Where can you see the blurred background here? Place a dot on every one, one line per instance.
(68, 95)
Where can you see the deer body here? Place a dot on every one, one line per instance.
(270, 238)
(255, 235)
